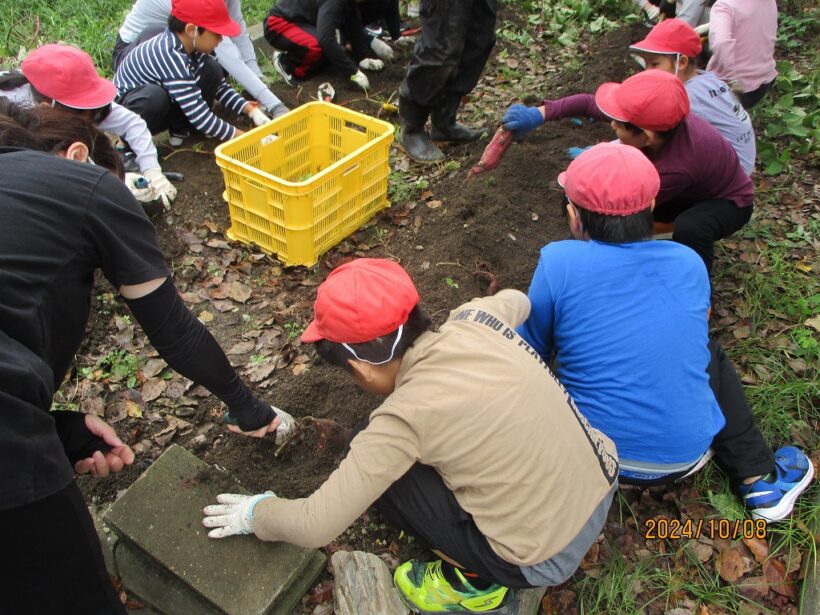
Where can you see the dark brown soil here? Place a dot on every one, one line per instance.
(455, 237)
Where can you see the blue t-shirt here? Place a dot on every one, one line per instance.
(628, 326)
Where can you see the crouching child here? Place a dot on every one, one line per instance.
(477, 448)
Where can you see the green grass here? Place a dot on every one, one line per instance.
(91, 25)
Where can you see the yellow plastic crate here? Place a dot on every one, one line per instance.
(299, 185)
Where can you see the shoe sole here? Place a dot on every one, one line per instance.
(786, 505)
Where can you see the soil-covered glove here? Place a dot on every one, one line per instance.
(233, 515)
(140, 187)
(360, 79)
(285, 427)
(161, 187)
(521, 120)
(278, 111)
(258, 116)
(371, 64)
(382, 49)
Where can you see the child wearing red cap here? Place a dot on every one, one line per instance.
(61, 75)
(304, 34)
(626, 321)
(172, 80)
(476, 448)
(704, 192)
(235, 54)
(673, 46)
(742, 35)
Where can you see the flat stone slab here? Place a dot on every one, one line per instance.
(164, 554)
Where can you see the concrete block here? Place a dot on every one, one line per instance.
(108, 538)
(166, 558)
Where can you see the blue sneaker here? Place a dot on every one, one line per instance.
(772, 497)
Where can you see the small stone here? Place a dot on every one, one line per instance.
(419, 248)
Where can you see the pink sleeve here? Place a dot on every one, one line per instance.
(721, 42)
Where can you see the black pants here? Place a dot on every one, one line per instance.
(153, 104)
(700, 225)
(456, 39)
(420, 503)
(750, 99)
(303, 54)
(739, 447)
(51, 560)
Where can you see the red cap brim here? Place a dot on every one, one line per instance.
(311, 333)
(102, 94)
(229, 28)
(605, 99)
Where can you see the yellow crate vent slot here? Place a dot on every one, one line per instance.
(299, 185)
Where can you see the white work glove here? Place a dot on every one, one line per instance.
(405, 41)
(371, 64)
(144, 194)
(278, 111)
(258, 116)
(161, 187)
(233, 515)
(702, 29)
(652, 11)
(382, 49)
(285, 427)
(360, 79)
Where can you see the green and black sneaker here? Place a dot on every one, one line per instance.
(424, 589)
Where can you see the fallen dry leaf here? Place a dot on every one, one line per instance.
(741, 332)
(240, 292)
(241, 348)
(779, 579)
(153, 388)
(758, 547)
(754, 588)
(153, 367)
(434, 204)
(730, 565)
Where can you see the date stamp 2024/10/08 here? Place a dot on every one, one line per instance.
(661, 528)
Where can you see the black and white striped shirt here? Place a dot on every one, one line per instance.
(162, 60)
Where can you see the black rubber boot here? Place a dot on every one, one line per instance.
(413, 137)
(445, 128)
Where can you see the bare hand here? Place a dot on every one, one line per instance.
(100, 464)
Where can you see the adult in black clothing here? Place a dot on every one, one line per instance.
(62, 220)
(456, 39)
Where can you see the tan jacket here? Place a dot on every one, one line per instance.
(477, 404)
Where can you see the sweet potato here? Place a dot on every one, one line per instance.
(492, 153)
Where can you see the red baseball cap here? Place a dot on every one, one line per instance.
(360, 301)
(611, 179)
(670, 36)
(652, 99)
(67, 74)
(209, 14)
